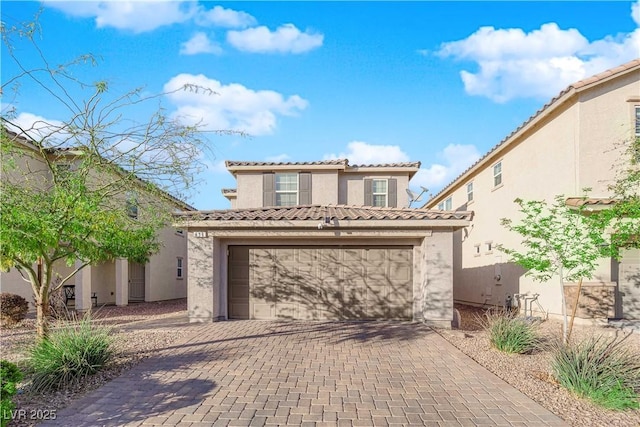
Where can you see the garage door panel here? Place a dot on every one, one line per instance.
(328, 282)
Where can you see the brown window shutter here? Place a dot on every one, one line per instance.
(368, 192)
(304, 188)
(392, 191)
(268, 189)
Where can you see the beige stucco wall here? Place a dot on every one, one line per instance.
(324, 187)
(162, 268)
(203, 284)
(327, 187)
(249, 190)
(606, 123)
(13, 283)
(570, 150)
(433, 279)
(351, 187)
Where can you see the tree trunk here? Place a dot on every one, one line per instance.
(42, 298)
(42, 315)
(564, 310)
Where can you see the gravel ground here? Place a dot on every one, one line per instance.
(528, 373)
(131, 346)
(531, 373)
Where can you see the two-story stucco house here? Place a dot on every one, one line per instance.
(568, 145)
(321, 240)
(120, 282)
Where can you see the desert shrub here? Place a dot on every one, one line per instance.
(602, 369)
(10, 375)
(70, 354)
(509, 333)
(13, 308)
(57, 305)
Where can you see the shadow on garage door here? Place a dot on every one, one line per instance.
(321, 282)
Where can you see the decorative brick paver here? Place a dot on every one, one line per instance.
(256, 373)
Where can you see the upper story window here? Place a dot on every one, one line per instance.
(470, 192)
(286, 189)
(179, 268)
(447, 205)
(497, 174)
(379, 192)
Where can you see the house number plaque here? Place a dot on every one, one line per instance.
(199, 234)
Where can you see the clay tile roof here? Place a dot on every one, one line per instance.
(582, 201)
(390, 165)
(229, 191)
(318, 213)
(337, 162)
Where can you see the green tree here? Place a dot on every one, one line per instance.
(621, 219)
(557, 240)
(93, 186)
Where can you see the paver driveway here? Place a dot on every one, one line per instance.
(307, 373)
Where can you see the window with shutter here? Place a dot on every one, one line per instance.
(286, 189)
(268, 186)
(381, 192)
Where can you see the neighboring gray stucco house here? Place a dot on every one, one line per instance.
(305, 241)
(570, 144)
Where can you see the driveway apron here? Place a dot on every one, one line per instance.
(246, 373)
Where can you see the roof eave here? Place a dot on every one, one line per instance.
(336, 225)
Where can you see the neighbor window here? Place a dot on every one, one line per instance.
(446, 205)
(637, 120)
(286, 189)
(489, 247)
(132, 205)
(497, 174)
(470, 192)
(379, 189)
(179, 268)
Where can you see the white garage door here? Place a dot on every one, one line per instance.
(321, 282)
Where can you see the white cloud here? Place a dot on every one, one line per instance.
(635, 12)
(278, 158)
(215, 166)
(455, 159)
(230, 107)
(38, 127)
(226, 18)
(361, 153)
(286, 39)
(135, 16)
(512, 63)
(199, 43)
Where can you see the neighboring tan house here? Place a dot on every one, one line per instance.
(321, 240)
(120, 282)
(572, 143)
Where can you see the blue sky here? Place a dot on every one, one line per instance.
(375, 82)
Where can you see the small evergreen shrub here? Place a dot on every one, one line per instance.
(70, 354)
(10, 376)
(601, 369)
(13, 308)
(511, 334)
